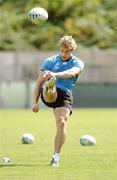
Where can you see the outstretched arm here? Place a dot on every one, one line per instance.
(65, 74)
(69, 73)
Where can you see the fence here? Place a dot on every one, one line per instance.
(97, 83)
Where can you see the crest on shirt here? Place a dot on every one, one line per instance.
(57, 65)
(65, 63)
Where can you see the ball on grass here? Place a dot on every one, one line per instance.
(27, 138)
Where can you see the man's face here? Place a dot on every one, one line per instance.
(65, 53)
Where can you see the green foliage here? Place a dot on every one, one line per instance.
(90, 22)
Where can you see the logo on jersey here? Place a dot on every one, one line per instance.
(57, 65)
(64, 63)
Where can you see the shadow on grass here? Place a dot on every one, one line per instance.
(22, 165)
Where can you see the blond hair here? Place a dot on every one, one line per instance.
(68, 42)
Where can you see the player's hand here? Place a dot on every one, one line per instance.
(47, 75)
(35, 108)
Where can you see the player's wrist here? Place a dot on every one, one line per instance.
(58, 75)
(35, 104)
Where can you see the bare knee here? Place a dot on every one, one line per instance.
(61, 122)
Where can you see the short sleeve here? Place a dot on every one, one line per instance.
(79, 63)
(46, 64)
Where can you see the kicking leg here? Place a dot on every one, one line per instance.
(49, 90)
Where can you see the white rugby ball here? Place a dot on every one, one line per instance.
(27, 138)
(6, 160)
(87, 140)
(37, 13)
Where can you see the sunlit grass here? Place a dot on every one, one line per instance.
(31, 162)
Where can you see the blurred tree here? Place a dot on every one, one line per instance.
(90, 22)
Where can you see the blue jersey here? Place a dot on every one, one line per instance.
(55, 64)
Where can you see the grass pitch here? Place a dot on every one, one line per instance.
(31, 162)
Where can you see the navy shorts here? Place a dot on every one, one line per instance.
(64, 99)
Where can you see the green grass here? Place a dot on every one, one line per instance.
(31, 162)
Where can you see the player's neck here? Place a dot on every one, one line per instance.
(65, 59)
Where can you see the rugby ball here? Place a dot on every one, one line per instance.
(87, 140)
(37, 13)
(27, 138)
(6, 160)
